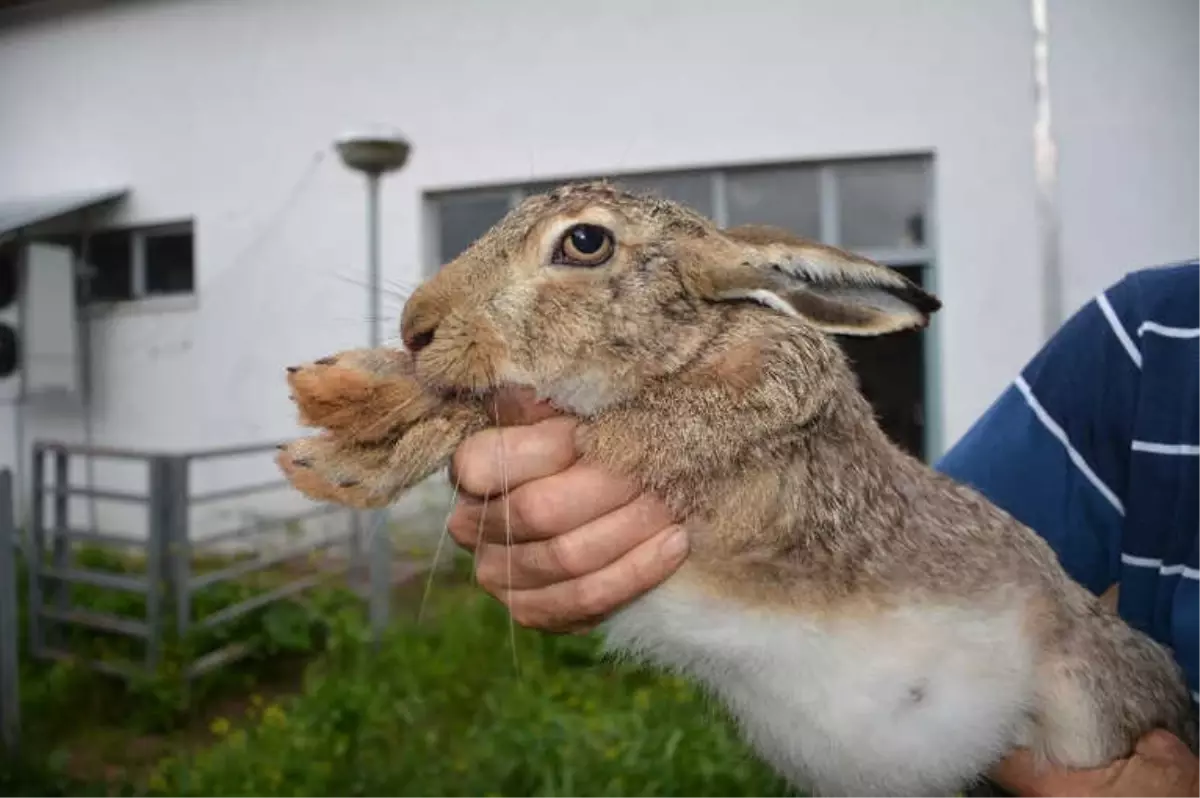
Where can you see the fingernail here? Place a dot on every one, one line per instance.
(676, 544)
(326, 361)
(293, 369)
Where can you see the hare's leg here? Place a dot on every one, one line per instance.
(1106, 686)
(330, 468)
(362, 395)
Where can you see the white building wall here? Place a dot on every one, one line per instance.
(214, 110)
(1125, 88)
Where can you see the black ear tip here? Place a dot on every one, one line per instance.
(922, 300)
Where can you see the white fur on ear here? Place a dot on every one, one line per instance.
(819, 265)
(763, 297)
(836, 290)
(869, 296)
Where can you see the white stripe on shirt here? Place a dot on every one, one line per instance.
(1165, 570)
(1168, 332)
(1149, 447)
(1058, 432)
(1119, 329)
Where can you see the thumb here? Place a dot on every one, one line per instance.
(1161, 744)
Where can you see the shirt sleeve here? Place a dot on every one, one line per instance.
(1053, 450)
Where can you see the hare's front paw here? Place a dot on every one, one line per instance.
(328, 469)
(362, 395)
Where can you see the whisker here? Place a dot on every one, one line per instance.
(266, 229)
(437, 552)
(478, 542)
(397, 291)
(508, 538)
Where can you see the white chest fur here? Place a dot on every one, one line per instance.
(914, 701)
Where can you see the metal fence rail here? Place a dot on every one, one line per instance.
(10, 694)
(168, 582)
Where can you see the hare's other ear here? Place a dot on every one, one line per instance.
(836, 291)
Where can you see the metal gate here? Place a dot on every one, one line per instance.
(10, 696)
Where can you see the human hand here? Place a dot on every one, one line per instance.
(1161, 765)
(561, 543)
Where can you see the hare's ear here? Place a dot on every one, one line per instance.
(836, 291)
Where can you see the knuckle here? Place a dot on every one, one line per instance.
(591, 599)
(487, 573)
(523, 614)
(461, 527)
(471, 467)
(564, 557)
(535, 508)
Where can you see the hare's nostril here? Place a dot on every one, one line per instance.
(415, 343)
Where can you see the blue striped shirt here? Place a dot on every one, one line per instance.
(1096, 447)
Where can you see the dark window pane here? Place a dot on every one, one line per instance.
(693, 189)
(72, 241)
(464, 218)
(170, 264)
(883, 203)
(109, 264)
(891, 374)
(787, 197)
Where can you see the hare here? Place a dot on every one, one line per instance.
(875, 627)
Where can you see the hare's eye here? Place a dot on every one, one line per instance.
(584, 245)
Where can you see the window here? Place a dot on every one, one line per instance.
(788, 197)
(127, 264)
(877, 207)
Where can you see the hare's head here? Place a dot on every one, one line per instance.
(585, 292)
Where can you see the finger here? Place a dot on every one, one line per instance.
(1022, 773)
(574, 554)
(551, 505)
(491, 461)
(520, 406)
(568, 605)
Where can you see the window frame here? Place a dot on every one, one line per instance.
(140, 300)
(924, 256)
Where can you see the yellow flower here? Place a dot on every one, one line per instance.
(219, 727)
(274, 716)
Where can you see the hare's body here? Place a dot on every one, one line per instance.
(876, 627)
(911, 701)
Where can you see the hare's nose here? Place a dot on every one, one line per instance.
(417, 341)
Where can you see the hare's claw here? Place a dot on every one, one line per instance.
(325, 469)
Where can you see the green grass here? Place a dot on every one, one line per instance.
(443, 710)
(436, 709)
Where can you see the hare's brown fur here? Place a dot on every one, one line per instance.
(748, 422)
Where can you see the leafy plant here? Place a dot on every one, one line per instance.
(443, 710)
(440, 708)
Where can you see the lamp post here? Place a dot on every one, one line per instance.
(375, 153)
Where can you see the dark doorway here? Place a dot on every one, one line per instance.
(891, 373)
